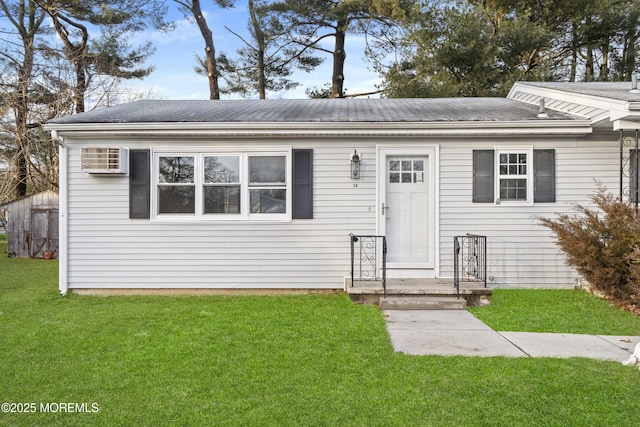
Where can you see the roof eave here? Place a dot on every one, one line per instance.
(239, 129)
(586, 99)
(616, 109)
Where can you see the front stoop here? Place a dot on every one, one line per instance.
(423, 302)
(371, 292)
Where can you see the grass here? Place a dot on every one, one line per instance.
(562, 311)
(316, 360)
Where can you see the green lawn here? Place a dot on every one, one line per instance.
(568, 311)
(261, 361)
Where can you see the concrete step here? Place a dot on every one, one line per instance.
(416, 302)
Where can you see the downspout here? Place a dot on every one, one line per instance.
(63, 271)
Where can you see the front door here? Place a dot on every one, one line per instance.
(407, 211)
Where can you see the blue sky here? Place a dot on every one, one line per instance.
(174, 77)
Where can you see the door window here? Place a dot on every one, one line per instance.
(406, 171)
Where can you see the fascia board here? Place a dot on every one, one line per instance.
(626, 124)
(484, 128)
(624, 114)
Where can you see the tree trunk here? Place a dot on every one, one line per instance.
(262, 82)
(589, 71)
(588, 66)
(81, 87)
(339, 57)
(604, 66)
(20, 164)
(574, 51)
(209, 50)
(630, 49)
(21, 109)
(260, 39)
(76, 53)
(21, 105)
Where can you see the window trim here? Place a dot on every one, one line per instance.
(200, 153)
(528, 150)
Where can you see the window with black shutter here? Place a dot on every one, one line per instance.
(224, 184)
(514, 171)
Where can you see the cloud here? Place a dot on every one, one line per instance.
(184, 30)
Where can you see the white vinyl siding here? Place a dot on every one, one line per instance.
(521, 253)
(107, 249)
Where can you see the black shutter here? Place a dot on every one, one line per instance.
(544, 176)
(633, 176)
(483, 179)
(302, 184)
(139, 183)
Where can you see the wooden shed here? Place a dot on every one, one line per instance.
(32, 226)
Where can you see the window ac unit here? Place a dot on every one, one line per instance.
(104, 160)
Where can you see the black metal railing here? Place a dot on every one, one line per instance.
(470, 260)
(369, 259)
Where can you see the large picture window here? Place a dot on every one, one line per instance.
(225, 185)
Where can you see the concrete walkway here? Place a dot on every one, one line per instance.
(460, 333)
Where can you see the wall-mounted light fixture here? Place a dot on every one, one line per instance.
(355, 165)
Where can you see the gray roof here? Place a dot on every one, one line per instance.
(316, 111)
(620, 91)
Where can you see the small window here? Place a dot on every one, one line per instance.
(514, 176)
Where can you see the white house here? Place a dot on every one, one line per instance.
(260, 193)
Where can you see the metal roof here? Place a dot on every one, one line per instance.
(316, 111)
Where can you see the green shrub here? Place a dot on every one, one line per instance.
(601, 243)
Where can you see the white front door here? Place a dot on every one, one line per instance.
(407, 211)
